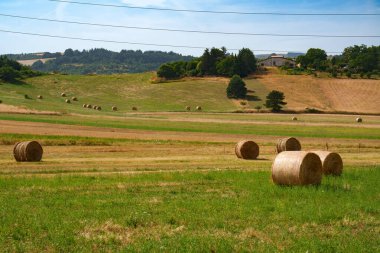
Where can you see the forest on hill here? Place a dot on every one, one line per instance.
(102, 61)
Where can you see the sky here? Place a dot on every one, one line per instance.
(327, 25)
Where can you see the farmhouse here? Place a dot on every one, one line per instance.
(277, 61)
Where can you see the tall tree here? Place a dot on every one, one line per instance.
(275, 100)
(236, 88)
(246, 62)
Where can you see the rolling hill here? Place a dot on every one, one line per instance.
(128, 90)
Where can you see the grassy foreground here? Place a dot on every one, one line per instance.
(190, 212)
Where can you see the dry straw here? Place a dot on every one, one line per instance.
(359, 120)
(247, 150)
(198, 108)
(68, 101)
(95, 107)
(89, 106)
(74, 98)
(134, 108)
(63, 94)
(84, 106)
(28, 151)
(332, 163)
(39, 97)
(297, 168)
(99, 108)
(294, 119)
(288, 144)
(114, 108)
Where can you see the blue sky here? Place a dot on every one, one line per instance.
(332, 25)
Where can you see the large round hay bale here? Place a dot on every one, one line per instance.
(134, 108)
(294, 118)
(332, 163)
(63, 94)
(68, 101)
(188, 108)
(99, 108)
(84, 105)
(95, 107)
(28, 151)
(89, 106)
(247, 150)
(74, 98)
(114, 108)
(297, 168)
(288, 144)
(198, 108)
(359, 120)
(40, 97)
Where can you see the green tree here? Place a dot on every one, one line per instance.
(8, 74)
(167, 71)
(246, 62)
(275, 100)
(236, 88)
(314, 58)
(227, 66)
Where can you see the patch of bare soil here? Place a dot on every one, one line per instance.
(20, 110)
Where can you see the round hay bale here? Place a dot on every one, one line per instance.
(95, 107)
(114, 108)
(134, 108)
(28, 151)
(359, 120)
(74, 98)
(332, 163)
(294, 119)
(198, 108)
(63, 94)
(1, 101)
(188, 108)
(247, 150)
(68, 101)
(288, 144)
(99, 108)
(297, 168)
(84, 105)
(89, 106)
(40, 97)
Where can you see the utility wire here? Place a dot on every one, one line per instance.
(217, 12)
(138, 43)
(190, 31)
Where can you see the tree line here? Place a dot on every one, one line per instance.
(102, 61)
(213, 62)
(11, 70)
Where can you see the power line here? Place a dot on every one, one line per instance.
(218, 12)
(139, 43)
(190, 31)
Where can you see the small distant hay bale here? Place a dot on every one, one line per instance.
(332, 163)
(28, 151)
(84, 105)
(297, 168)
(288, 144)
(40, 97)
(294, 118)
(198, 108)
(95, 107)
(74, 98)
(99, 108)
(26, 96)
(114, 108)
(134, 108)
(63, 94)
(89, 106)
(359, 120)
(1, 101)
(68, 101)
(188, 108)
(248, 150)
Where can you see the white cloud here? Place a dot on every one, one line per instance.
(60, 10)
(145, 3)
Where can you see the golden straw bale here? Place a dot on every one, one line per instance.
(134, 108)
(297, 168)
(63, 94)
(40, 97)
(359, 120)
(114, 108)
(332, 163)
(288, 144)
(84, 105)
(294, 118)
(198, 108)
(28, 151)
(68, 101)
(247, 150)
(74, 98)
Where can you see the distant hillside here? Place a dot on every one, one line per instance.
(101, 61)
(128, 90)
